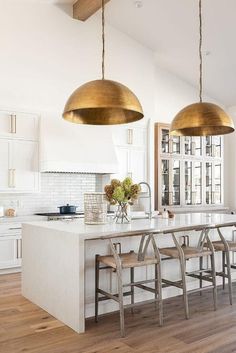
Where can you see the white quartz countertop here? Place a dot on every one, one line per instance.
(21, 219)
(156, 224)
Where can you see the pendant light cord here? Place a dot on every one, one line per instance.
(103, 40)
(200, 49)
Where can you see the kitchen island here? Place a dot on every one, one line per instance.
(58, 260)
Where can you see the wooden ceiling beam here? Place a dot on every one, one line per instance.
(83, 9)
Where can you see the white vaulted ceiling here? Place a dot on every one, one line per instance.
(170, 29)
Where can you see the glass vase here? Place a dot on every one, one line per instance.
(122, 214)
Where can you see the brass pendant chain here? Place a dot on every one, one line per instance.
(103, 40)
(200, 49)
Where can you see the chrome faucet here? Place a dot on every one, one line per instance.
(149, 196)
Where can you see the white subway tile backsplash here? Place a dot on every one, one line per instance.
(56, 190)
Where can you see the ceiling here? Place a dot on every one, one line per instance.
(170, 29)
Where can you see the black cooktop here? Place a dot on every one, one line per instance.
(57, 214)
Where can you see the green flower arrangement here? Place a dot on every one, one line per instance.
(122, 192)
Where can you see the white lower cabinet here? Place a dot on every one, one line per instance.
(10, 250)
(19, 166)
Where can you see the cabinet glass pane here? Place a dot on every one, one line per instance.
(192, 146)
(217, 146)
(209, 194)
(165, 182)
(198, 146)
(176, 144)
(188, 182)
(213, 146)
(165, 139)
(197, 183)
(218, 181)
(176, 183)
(187, 145)
(208, 146)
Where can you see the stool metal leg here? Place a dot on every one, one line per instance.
(96, 286)
(185, 294)
(229, 276)
(183, 274)
(121, 304)
(132, 287)
(200, 267)
(213, 269)
(223, 269)
(156, 284)
(159, 291)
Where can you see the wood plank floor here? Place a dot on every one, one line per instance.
(24, 327)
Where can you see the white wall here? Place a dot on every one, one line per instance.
(171, 95)
(230, 164)
(57, 189)
(45, 55)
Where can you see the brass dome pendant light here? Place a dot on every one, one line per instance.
(103, 102)
(201, 119)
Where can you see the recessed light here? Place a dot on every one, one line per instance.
(138, 4)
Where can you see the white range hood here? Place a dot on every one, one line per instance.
(71, 148)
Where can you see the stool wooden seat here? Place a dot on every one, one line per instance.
(119, 262)
(189, 252)
(186, 252)
(128, 260)
(220, 245)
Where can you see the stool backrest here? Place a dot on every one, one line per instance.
(147, 238)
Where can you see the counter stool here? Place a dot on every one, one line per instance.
(186, 252)
(118, 262)
(226, 247)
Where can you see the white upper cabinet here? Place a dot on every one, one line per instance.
(19, 166)
(131, 150)
(19, 152)
(122, 154)
(24, 165)
(129, 136)
(5, 124)
(137, 165)
(18, 125)
(5, 164)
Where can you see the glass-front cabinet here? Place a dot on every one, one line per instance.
(193, 146)
(170, 182)
(193, 182)
(169, 144)
(188, 170)
(213, 146)
(209, 183)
